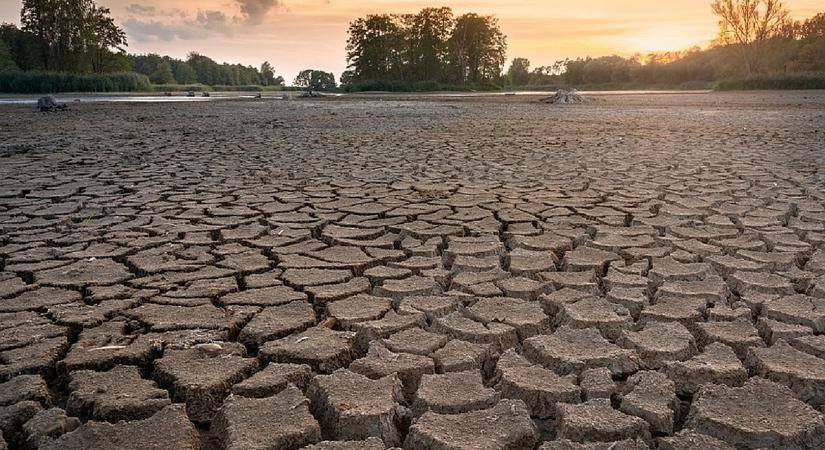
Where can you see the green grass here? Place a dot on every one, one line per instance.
(774, 82)
(54, 82)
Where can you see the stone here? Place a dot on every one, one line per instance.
(459, 356)
(273, 379)
(381, 362)
(571, 350)
(651, 396)
(266, 296)
(526, 317)
(500, 336)
(596, 420)
(372, 443)
(540, 389)
(597, 383)
(609, 318)
(797, 309)
(507, 426)
(360, 308)
(416, 341)
(716, 364)
(739, 335)
(276, 322)
(320, 348)
(118, 394)
(86, 272)
(760, 414)
(453, 393)
(804, 374)
(659, 343)
(282, 421)
(48, 425)
(23, 388)
(350, 406)
(691, 440)
(583, 259)
(202, 380)
(169, 428)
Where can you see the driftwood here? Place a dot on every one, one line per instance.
(49, 104)
(564, 97)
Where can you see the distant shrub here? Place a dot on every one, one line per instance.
(55, 82)
(181, 87)
(778, 81)
(419, 86)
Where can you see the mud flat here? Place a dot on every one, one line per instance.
(639, 271)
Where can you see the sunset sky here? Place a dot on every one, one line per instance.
(299, 34)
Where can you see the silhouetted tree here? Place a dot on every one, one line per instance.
(71, 33)
(519, 72)
(477, 49)
(315, 80)
(427, 33)
(748, 24)
(6, 60)
(375, 48)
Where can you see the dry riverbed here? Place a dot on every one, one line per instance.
(419, 272)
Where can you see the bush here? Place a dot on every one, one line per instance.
(419, 86)
(55, 82)
(778, 81)
(181, 87)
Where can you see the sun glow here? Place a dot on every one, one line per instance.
(662, 38)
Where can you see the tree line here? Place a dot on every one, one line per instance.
(431, 46)
(79, 37)
(757, 39)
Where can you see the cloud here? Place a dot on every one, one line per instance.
(206, 23)
(254, 11)
(141, 10)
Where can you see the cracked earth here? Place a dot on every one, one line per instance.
(640, 272)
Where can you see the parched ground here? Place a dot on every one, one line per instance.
(427, 273)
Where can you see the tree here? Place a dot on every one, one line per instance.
(184, 74)
(747, 24)
(6, 60)
(427, 33)
(813, 27)
(375, 48)
(163, 74)
(267, 74)
(315, 80)
(72, 33)
(519, 72)
(477, 49)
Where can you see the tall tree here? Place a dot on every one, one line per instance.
(71, 32)
(748, 24)
(427, 33)
(519, 72)
(375, 48)
(267, 74)
(6, 60)
(477, 49)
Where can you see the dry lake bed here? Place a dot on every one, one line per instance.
(366, 272)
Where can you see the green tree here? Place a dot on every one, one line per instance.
(184, 73)
(812, 28)
(72, 34)
(267, 74)
(6, 60)
(747, 24)
(519, 72)
(477, 49)
(427, 33)
(163, 74)
(375, 48)
(316, 80)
